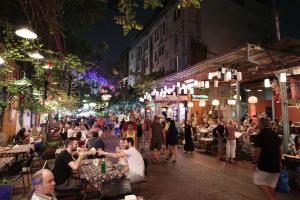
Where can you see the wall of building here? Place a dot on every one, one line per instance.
(227, 24)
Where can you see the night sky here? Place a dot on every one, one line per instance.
(111, 33)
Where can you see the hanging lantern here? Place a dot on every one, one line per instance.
(192, 91)
(216, 83)
(283, 77)
(206, 84)
(215, 102)
(190, 104)
(165, 88)
(178, 84)
(252, 99)
(236, 97)
(185, 91)
(228, 76)
(202, 103)
(231, 102)
(239, 76)
(210, 75)
(267, 83)
(202, 84)
(196, 83)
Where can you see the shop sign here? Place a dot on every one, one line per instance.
(199, 96)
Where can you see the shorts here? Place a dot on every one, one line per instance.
(265, 178)
(156, 145)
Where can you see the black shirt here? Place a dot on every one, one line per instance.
(269, 158)
(220, 128)
(139, 131)
(62, 171)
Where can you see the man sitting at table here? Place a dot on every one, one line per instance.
(135, 170)
(65, 163)
(43, 182)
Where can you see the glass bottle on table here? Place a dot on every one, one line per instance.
(103, 166)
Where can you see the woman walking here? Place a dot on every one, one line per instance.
(230, 142)
(172, 141)
(189, 144)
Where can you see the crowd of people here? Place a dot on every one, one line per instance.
(161, 136)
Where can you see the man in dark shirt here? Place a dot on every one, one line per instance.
(65, 163)
(95, 141)
(156, 137)
(267, 155)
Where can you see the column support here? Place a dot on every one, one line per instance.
(238, 105)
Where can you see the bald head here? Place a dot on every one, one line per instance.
(43, 182)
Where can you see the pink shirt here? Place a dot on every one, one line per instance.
(230, 132)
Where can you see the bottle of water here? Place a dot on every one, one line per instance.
(103, 166)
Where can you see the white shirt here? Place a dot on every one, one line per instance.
(70, 133)
(135, 161)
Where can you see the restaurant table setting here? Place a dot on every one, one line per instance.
(8, 161)
(14, 150)
(90, 171)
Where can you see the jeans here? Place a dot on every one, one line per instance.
(230, 148)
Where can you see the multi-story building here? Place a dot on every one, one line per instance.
(178, 38)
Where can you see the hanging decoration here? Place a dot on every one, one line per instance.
(252, 100)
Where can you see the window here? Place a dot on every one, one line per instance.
(164, 28)
(161, 50)
(145, 45)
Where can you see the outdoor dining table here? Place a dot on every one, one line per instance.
(8, 161)
(92, 173)
(15, 150)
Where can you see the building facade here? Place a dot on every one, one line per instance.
(178, 38)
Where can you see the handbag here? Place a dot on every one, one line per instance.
(283, 182)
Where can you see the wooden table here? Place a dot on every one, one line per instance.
(93, 175)
(15, 150)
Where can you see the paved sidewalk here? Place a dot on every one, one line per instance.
(203, 177)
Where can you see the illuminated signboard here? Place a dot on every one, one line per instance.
(199, 96)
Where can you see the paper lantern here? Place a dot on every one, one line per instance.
(210, 75)
(252, 99)
(267, 83)
(236, 97)
(215, 102)
(190, 104)
(178, 84)
(202, 103)
(228, 76)
(206, 84)
(216, 83)
(283, 77)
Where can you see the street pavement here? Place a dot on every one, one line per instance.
(199, 176)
